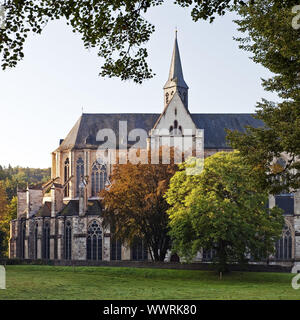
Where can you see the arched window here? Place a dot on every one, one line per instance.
(23, 237)
(139, 250)
(99, 176)
(79, 173)
(36, 241)
(94, 242)
(68, 241)
(208, 254)
(67, 176)
(184, 97)
(115, 249)
(175, 124)
(46, 241)
(284, 245)
(175, 111)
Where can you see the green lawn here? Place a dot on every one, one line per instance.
(49, 282)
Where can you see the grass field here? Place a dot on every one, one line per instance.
(49, 282)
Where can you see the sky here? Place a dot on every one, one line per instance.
(43, 97)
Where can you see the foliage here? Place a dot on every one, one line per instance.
(222, 209)
(273, 42)
(135, 205)
(10, 214)
(119, 29)
(20, 177)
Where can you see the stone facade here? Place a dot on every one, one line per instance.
(63, 219)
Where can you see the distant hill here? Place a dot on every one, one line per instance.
(12, 177)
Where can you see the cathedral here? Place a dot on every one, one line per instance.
(62, 220)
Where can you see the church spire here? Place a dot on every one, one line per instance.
(176, 81)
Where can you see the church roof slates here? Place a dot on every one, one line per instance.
(214, 126)
(83, 134)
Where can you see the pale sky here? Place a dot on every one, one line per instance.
(43, 97)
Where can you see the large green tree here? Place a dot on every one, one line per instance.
(119, 29)
(273, 42)
(222, 209)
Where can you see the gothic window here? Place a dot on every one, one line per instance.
(171, 129)
(180, 129)
(36, 241)
(99, 176)
(46, 241)
(184, 97)
(208, 255)
(175, 124)
(79, 173)
(115, 249)
(23, 236)
(139, 250)
(94, 242)
(68, 241)
(67, 176)
(284, 245)
(175, 111)
(167, 98)
(286, 203)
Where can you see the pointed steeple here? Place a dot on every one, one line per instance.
(176, 81)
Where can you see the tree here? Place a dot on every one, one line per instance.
(3, 212)
(221, 209)
(10, 214)
(117, 28)
(275, 45)
(135, 206)
(3, 200)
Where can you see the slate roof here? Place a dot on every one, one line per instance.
(176, 73)
(72, 208)
(214, 126)
(45, 210)
(83, 134)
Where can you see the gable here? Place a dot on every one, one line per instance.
(175, 112)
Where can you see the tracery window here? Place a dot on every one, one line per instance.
(94, 241)
(46, 241)
(115, 249)
(68, 241)
(208, 254)
(36, 241)
(139, 250)
(23, 237)
(67, 176)
(79, 173)
(284, 245)
(99, 176)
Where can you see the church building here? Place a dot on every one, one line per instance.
(62, 220)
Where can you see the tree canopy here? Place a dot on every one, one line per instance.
(273, 42)
(118, 29)
(223, 210)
